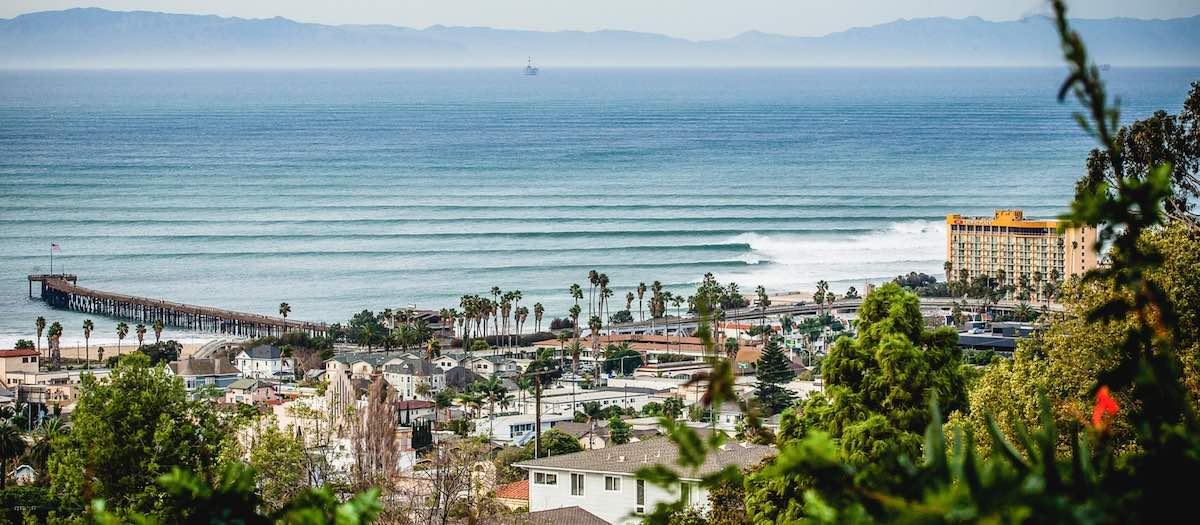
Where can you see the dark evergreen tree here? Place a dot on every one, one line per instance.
(773, 370)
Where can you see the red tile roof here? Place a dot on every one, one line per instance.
(518, 490)
(23, 352)
(416, 404)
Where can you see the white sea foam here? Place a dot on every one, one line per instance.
(798, 262)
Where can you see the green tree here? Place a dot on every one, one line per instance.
(126, 432)
(232, 499)
(158, 329)
(618, 430)
(281, 463)
(161, 352)
(43, 438)
(554, 442)
(878, 387)
(88, 326)
(621, 359)
(40, 325)
(12, 446)
(24, 344)
(122, 331)
(284, 310)
(773, 370)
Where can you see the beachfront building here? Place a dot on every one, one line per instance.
(1020, 247)
(200, 373)
(265, 362)
(17, 364)
(603, 481)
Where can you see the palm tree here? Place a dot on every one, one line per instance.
(538, 312)
(949, 268)
(158, 329)
(819, 296)
(43, 439)
(629, 301)
(12, 445)
(523, 386)
(122, 331)
(284, 310)
(575, 311)
(641, 292)
(140, 330)
(605, 293)
(594, 279)
(87, 337)
(41, 325)
(575, 349)
(53, 338)
(1038, 277)
(593, 412)
(677, 301)
(763, 302)
(594, 325)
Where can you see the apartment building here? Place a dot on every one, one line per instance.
(1020, 247)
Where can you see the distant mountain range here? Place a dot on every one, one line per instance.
(90, 37)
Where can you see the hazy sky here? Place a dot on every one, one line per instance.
(696, 19)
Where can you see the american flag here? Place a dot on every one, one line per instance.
(54, 248)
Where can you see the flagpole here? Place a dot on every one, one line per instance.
(51, 258)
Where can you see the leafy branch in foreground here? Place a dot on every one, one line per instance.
(235, 500)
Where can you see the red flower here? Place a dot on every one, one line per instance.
(1105, 406)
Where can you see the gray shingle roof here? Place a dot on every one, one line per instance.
(264, 352)
(373, 359)
(565, 516)
(412, 367)
(628, 458)
(202, 367)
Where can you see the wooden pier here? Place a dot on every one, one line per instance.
(62, 291)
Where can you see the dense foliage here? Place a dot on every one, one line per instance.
(774, 370)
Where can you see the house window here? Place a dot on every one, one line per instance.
(641, 496)
(612, 483)
(542, 478)
(576, 484)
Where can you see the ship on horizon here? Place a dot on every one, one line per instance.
(530, 69)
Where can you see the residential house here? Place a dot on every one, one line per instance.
(603, 482)
(460, 378)
(414, 378)
(265, 362)
(17, 364)
(416, 411)
(199, 373)
(449, 360)
(597, 435)
(516, 428)
(251, 391)
(362, 365)
(491, 365)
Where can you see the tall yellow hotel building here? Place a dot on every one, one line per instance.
(1019, 246)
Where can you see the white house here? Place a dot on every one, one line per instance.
(408, 376)
(487, 366)
(265, 362)
(449, 360)
(517, 428)
(199, 373)
(603, 483)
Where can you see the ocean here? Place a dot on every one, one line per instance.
(337, 191)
